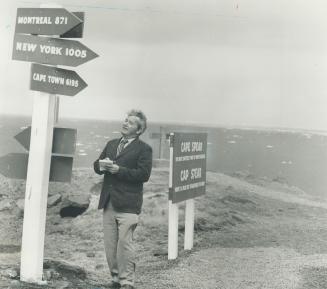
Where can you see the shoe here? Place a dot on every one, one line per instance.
(127, 286)
(114, 285)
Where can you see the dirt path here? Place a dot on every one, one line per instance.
(246, 268)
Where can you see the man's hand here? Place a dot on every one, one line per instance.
(112, 168)
(109, 166)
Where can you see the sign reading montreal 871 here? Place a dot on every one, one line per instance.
(189, 166)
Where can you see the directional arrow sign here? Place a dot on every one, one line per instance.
(63, 148)
(77, 31)
(61, 168)
(64, 140)
(24, 138)
(45, 21)
(14, 166)
(55, 80)
(50, 50)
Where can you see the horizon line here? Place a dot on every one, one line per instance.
(197, 124)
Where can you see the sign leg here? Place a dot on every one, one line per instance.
(57, 109)
(37, 187)
(172, 231)
(189, 224)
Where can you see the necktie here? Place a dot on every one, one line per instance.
(121, 146)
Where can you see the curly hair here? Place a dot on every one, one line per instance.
(142, 118)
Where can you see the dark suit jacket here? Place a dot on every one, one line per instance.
(125, 188)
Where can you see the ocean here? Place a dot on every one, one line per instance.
(298, 158)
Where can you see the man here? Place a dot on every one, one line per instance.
(126, 164)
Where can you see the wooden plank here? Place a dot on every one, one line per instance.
(37, 187)
(172, 231)
(37, 183)
(172, 214)
(189, 224)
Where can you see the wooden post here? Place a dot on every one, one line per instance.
(173, 231)
(172, 214)
(189, 224)
(45, 115)
(57, 109)
(37, 187)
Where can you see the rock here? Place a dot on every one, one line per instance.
(5, 205)
(55, 275)
(20, 204)
(74, 205)
(11, 273)
(94, 202)
(90, 254)
(54, 200)
(20, 208)
(65, 269)
(47, 275)
(9, 248)
(96, 188)
(63, 285)
(160, 252)
(15, 284)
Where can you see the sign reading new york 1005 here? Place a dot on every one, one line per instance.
(189, 166)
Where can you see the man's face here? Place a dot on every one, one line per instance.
(130, 127)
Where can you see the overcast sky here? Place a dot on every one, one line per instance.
(224, 62)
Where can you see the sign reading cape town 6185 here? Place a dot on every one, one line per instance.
(55, 80)
(189, 166)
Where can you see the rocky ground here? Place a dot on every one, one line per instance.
(249, 233)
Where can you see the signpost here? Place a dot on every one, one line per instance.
(45, 21)
(55, 80)
(77, 31)
(189, 166)
(50, 150)
(64, 140)
(36, 192)
(49, 50)
(14, 165)
(187, 179)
